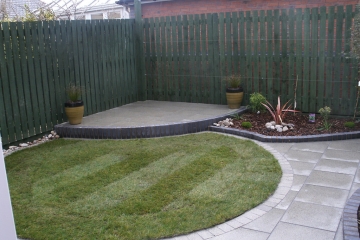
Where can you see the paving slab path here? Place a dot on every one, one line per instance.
(318, 178)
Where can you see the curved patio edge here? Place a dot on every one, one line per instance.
(77, 131)
(350, 218)
(287, 139)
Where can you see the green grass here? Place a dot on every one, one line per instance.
(136, 189)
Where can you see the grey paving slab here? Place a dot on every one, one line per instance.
(354, 187)
(281, 148)
(242, 234)
(302, 168)
(357, 177)
(296, 232)
(285, 203)
(328, 196)
(267, 222)
(337, 166)
(342, 155)
(313, 215)
(298, 182)
(329, 179)
(339, 233)
(319, 147)
(345, 145)
(303, 156)
(157, 113)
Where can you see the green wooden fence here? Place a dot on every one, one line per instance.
(39, 59)
(187, 57)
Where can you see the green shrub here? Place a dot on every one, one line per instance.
(349, 124)
(246, 124)
(255, 102)
(233, 81)
(325, 113)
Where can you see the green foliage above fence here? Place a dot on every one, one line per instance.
(188, 56)
(39, 59)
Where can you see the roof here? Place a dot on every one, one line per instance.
(75, 6)
(131, 2)
(16, 8)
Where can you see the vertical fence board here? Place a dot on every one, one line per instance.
(321, 67)
(306, 76)
(337, 60)
(291, 53)
(313, 60)
(269, 92)
(276, 66)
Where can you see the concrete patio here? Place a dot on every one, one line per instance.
(318, 178)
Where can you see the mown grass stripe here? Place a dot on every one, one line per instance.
(180, 182)
(141, 180)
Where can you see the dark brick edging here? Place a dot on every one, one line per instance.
(78, 131)
(288, 139)
(350, 220)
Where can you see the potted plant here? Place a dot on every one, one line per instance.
(74, 107)
(234, 92)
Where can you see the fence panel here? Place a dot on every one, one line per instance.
(278, 53)
(39, 59)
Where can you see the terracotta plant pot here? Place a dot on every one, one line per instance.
(234, 97)
(74, 112)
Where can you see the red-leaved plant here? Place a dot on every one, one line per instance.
(279, 113)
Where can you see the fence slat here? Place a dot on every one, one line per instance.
(321, 78)
(337, 60)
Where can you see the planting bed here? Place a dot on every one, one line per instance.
(301, 122)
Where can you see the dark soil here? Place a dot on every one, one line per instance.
(301, 121)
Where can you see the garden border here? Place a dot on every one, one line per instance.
(350, 219)
(288, 139)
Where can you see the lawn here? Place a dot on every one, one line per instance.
(136, 189)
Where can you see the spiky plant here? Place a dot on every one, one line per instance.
(279, 112)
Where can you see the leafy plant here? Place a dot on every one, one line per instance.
(279, 113)
(246, 124)
(74, 92)
(256, 100)
(237, 116)
(349, 124)
(325, 112)
(233, 81)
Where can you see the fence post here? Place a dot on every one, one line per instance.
(7, 226)
(140, 59)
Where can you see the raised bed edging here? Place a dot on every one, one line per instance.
(350, 219)
(76, 131)
(288, 139)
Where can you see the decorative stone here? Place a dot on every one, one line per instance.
(279, 129)
(50, 136)
(57, 136)
(23, 145)
(12, 147)
(273, 123)
(278, 126)
(53, 133)
(285, 129)
(272, 128)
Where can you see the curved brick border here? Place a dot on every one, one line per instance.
(78, 131)
(288, 139)
(350, 221)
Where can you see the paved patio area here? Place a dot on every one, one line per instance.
(146, 113)
(318, 179)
